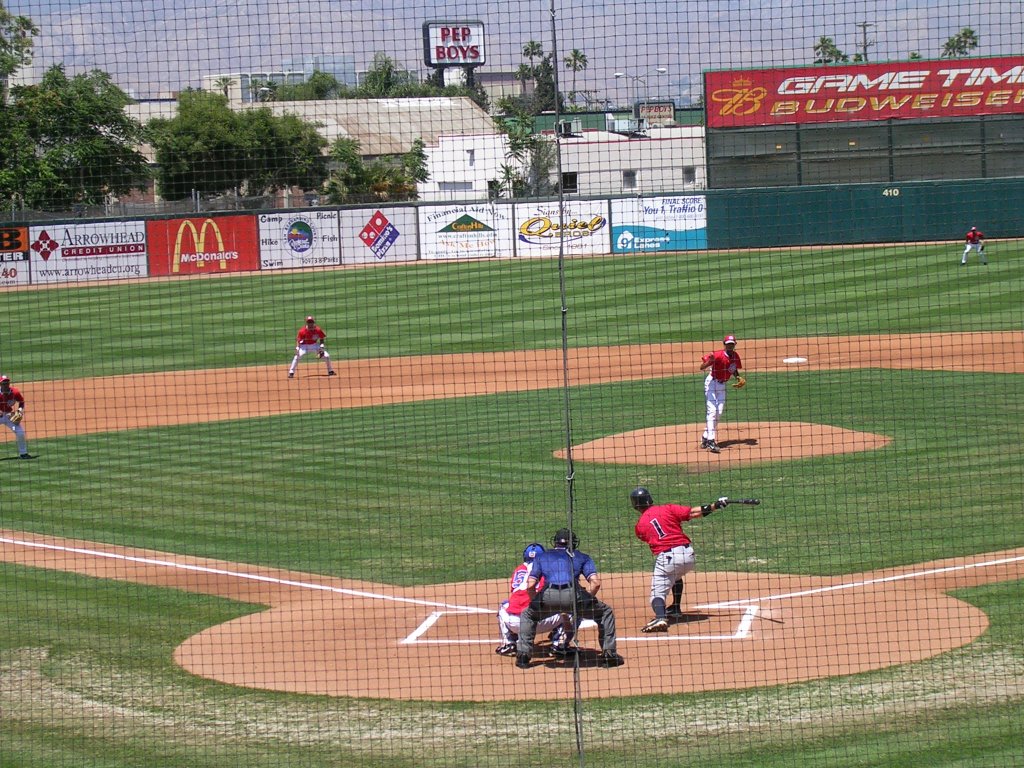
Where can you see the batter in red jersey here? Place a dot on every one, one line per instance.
(12, 411)
(518, 599)
(660, 527)
(975, 241)
(310, 338)
(723, 365)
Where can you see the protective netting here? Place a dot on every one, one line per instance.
(319, 315)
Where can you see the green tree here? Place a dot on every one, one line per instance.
(529, 160)
(68, 141)
(546, 97)
(576, 61)
(827, 52)
(211, 149)
(319, 87)
(16, 33)
(356, 179)
(961, 44)
(915, 56)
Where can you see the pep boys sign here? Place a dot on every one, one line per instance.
(453, 43)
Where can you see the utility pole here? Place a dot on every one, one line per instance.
(864, 42)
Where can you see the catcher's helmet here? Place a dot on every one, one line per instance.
(531, 551)
(562, 537)
(640, 498)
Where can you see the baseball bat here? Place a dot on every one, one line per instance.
(748, 502)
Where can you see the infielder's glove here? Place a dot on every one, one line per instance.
(17, 416)
(740, 383)
(321, 352)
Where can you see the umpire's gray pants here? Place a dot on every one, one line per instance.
(560, 600)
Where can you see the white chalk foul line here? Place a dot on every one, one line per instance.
(240, 575)
(862, 583)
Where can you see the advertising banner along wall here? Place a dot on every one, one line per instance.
(105, 250)
(581, 228)
(203, 245)
(852, 92)
(466, 231)
(14, 259)
(299, 239)
(652, 224)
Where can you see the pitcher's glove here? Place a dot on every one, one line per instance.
(740, 383)
(17, 416)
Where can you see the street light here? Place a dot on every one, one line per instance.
(641, 78)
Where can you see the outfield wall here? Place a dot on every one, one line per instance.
(115, 249)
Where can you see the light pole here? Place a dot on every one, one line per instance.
(641, 78)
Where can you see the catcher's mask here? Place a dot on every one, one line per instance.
(562, 538)
(640, 498)
(531, 551)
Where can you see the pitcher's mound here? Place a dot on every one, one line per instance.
(741, 443)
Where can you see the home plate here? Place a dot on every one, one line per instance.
(794, 360)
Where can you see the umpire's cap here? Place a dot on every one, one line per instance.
(640, 498)
(531, 551)
(563, 536)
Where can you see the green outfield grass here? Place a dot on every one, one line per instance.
(448, 491)
(103, 330)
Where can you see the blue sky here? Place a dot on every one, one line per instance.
(157, 46)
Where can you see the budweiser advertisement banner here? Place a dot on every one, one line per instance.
(856, 92)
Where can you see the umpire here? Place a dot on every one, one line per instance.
(563, 592)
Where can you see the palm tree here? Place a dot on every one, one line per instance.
(828, 52)
(224, 83)
(961, 44)
(533, 50)
(576, 61)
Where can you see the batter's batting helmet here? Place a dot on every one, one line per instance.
(562, 537)
(640, 498)
(531, 551)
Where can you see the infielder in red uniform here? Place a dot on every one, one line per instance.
(310, 338)
(660, 527)
(724, 364)
(12, 411)
(975, 240)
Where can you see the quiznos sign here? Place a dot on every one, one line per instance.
(453, 43)
(846, 93)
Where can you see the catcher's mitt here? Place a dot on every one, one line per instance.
(17, 416)
(740, 383)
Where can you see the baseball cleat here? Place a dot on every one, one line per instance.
(703, 443)
(713, 447)
(508, 649)
(26, 456)
(657, 624)
(331, 373)
(291, 375)
(523, 661)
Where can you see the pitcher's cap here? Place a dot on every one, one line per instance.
(730, 339)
